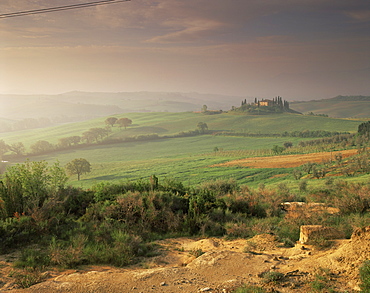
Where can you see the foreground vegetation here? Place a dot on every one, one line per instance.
(55, 225)
(59, 225)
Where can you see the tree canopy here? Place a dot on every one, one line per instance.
(78, 167)
(124, 122)
(202, 126)
(111, 121)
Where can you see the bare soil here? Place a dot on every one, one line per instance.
(287, 161)
(213, 265)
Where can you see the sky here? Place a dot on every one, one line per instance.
(297, 49)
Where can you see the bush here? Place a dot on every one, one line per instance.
(288, 232)
(33, 259)
(365, 276)
(27, 277)
(249, 289)
(220, 186)
(272, 277)
(68, 254)
(240, 229)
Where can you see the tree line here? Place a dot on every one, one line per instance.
(264, 106)
(95, 135)
(303, 134)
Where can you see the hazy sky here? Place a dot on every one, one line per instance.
(298, 49)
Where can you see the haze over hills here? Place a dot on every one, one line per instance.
(337, 107)
(86, 105)
(78, 106)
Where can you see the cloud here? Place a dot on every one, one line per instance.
(193, 31)
(360, 15)
(164, 21)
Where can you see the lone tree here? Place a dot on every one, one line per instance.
(111, 121)
(78, 167)
(124, 122)
(288, 144)
(277, 150)
(202, 126)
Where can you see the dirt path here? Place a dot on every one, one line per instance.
(287, 161)
(204, 265)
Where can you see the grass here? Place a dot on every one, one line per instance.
(188, 159)
(334, 108)
(173, 123)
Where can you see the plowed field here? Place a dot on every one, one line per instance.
(287, 161)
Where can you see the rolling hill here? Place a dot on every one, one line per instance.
(192, 158)
(166, 123)
(337, 107)
(85, 105)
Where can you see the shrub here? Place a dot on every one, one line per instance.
(365, 276)
(221, 186)
(68, 254)
(272, 277)
(33, 259)
(322, 281)
(249, 289)
(303, 186)
(196, 252)
(288, 232)
(238, 230)
(320, 242)
(27, 278)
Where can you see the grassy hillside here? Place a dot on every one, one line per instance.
(188, 159)
(343, 107)
(173, 123)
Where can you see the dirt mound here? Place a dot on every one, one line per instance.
(262, 242)
(217, 265)
(352, 254)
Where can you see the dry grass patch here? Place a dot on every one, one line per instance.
(287, 161)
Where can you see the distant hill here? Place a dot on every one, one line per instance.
(85, 105)
(337, 107)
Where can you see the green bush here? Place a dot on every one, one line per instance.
(239, 229)
(272, 277)
(33, 258)
(365, 276)
(27, 277)
(249, 289)
(68, 254)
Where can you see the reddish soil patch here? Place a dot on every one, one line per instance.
(287, 161)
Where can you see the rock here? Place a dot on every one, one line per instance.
(296, 210)
(310, 232)
(205, 289)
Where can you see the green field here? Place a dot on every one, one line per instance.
(335, 108)
(173, 123)
(188, 159)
